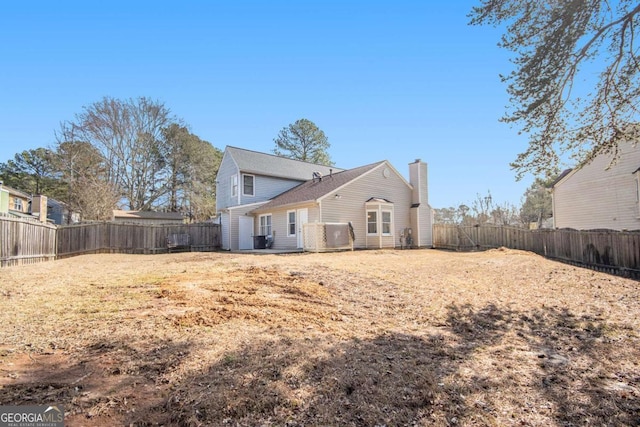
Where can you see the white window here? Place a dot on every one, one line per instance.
(17, 204)
(234, 185)
(379, 217)
(265, 225)
(248, 185)
(386, 223)
(291, 223)
(372, 222)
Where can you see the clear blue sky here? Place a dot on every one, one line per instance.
(395, 80)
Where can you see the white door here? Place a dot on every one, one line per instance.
(245, 232)
(302, 217)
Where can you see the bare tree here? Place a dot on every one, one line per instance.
(83, 169)
(575, 86)
(128, 135)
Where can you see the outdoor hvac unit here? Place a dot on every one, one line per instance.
(327, 236)
(406, 238)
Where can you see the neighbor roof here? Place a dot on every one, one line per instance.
(314, 189)
(560, 177)
(271, 165)
(173, 216)
(15, 192)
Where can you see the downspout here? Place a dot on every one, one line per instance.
(379, 226)
(553, 206)
(419, 211)
(240, 188)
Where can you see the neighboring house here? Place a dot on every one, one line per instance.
(600, 194)
(147, 217)
(262, 194)
(4, 200)
(57, 212)
(14, 202)
(42, 208)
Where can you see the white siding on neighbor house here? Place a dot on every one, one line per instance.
(350, 205)
(595, 197)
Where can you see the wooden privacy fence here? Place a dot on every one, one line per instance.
(25, 241)
(613, 251)
(110, 237)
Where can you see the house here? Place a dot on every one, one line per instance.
(41, 208)
(600, 194)
(147, 217)
(265, 195)
(59, 213)
(14, 202)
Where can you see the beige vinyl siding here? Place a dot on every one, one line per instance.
(421, 217)
(350, 206)
(279, 225)
(595, 197)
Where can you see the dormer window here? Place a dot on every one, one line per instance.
(248, 182)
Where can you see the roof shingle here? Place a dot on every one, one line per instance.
(272, 165)
(314, 189)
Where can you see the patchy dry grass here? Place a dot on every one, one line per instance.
(368, 338)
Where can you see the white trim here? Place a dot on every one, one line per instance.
(375, 211)
(295, 223)
(253, 186)
(382, 212)
(246, 205)
(234, 185)
(260, 226)
(379, 207)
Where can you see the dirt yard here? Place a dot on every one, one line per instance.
(371, 338)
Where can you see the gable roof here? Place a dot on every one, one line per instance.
(272, 165)
(314, 189)
(12, 191)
